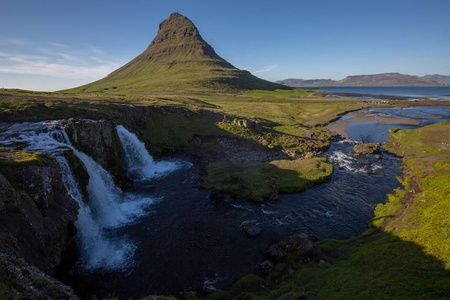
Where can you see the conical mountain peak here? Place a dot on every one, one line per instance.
(176, 26)
(178, 33)
(178, 60)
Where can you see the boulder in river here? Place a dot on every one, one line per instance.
(367, 148)
(251, 230)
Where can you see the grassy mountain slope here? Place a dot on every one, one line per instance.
(177, 60)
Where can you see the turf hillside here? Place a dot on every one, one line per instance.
(178, 60)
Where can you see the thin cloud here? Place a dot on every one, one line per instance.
(58, 45)
(18, 42)
(266, 69)
(55, 59)
(65, 65)
(95, 50)
(70, 57)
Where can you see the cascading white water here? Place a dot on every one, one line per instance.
(141, 165)
(97, 250)
(109, 207)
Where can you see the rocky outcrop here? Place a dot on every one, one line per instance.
(36, 213)
(19, 280)
(300, 244)
(99, 139)
(367, 148)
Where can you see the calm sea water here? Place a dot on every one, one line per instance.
(435, 92)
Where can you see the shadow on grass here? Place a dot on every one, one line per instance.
(378, 266)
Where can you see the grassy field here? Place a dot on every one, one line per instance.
(284, 119)
(263, 181)
(404, 255)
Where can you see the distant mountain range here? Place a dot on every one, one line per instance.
(385, 79)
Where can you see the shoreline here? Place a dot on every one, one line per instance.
(369, 96)
(340, 127)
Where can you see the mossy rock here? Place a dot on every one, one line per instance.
(367, 148)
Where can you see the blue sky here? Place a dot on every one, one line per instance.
(55, 44)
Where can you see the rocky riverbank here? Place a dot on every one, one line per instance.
(36, 223)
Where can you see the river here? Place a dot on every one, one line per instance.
(166, 236)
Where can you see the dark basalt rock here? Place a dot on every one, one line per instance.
(277, 252)
(19, 280)
(99, 139)
(300, 244)
(37, 215)
(251, 230)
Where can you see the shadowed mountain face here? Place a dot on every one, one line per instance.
(178, 60)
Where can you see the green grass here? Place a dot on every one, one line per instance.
(13, 157)
(263, 181)
(290, 93)
(419, 142)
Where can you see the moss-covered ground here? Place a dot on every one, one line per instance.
(263, 181)
(12, 157)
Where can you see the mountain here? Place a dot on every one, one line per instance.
(302, 82)
(385, 79)
(441, 79)
(178, 60)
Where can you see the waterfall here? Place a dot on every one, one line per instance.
(97, 250)
(108, 208)
(141, 165)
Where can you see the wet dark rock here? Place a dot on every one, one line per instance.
(19, 280)
(99, 139)
(300, 244)
(37, 216)
(277, 252)
(266, 266)
(209, 289)
(251, 230)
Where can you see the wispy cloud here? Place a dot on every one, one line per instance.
(58, 45)
(37, 65)
(17, 42)
(55, 59)
(266, 69)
